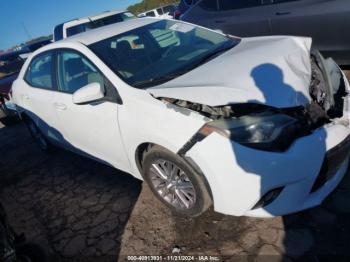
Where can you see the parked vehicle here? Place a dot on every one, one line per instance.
(160, 12)
(258, 126)
(15, 248)
(326, 21)
(10, 65)
(183, 6)
(84, 24)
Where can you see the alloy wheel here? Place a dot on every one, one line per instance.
(172, 184)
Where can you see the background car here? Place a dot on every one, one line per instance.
(326, 21)
(183, 6)
(10, 65)
(161, 12)
(80, 25)
(15, 247)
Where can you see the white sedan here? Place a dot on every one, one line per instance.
(255, 126)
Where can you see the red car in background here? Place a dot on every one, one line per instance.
(10, 65)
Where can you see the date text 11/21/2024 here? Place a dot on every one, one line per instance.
(173, 258)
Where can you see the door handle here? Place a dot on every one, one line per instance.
(60, 106)
(283, 13)
(220, 21)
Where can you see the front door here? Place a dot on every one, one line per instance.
(91, 129)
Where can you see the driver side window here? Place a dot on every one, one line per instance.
(75, 72)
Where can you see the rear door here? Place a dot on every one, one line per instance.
(91, 129)
(241, 17)
(37, 95)
(326, 21)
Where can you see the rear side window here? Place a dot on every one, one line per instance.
(152, 14)
(160, 11)
(76, 29)
(237, 4)
(39, 73)
(75, 71)
(58, 32)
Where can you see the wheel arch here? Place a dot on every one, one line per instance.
(24, 116)
(142, 148)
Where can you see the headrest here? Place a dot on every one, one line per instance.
(74, 66)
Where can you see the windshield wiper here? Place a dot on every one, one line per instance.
(158, 80)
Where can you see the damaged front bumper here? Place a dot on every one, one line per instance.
(239, 176)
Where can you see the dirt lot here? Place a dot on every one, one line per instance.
(80, 210)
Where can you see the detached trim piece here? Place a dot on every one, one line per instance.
(198, 137)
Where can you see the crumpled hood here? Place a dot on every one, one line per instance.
(274, 70)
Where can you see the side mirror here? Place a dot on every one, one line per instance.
(89, 93)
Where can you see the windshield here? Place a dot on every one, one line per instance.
(161, 51)
(99, 23)
(10, 65)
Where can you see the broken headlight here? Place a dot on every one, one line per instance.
(264, 131)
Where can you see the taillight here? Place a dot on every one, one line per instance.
(177, 14)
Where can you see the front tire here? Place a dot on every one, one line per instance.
(175, 182)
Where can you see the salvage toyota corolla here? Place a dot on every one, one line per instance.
(255, 126)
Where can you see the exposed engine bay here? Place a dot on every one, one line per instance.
(327, 91)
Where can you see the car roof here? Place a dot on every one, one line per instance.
(108, 31)
(85, 19)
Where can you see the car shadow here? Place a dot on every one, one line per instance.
(284, 170)
(75, 207)
(318, 234)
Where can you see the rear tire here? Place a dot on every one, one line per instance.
(175, 182)
(38, 136)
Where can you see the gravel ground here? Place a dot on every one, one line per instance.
(80, 210)
(310, 235)
(74, 207)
